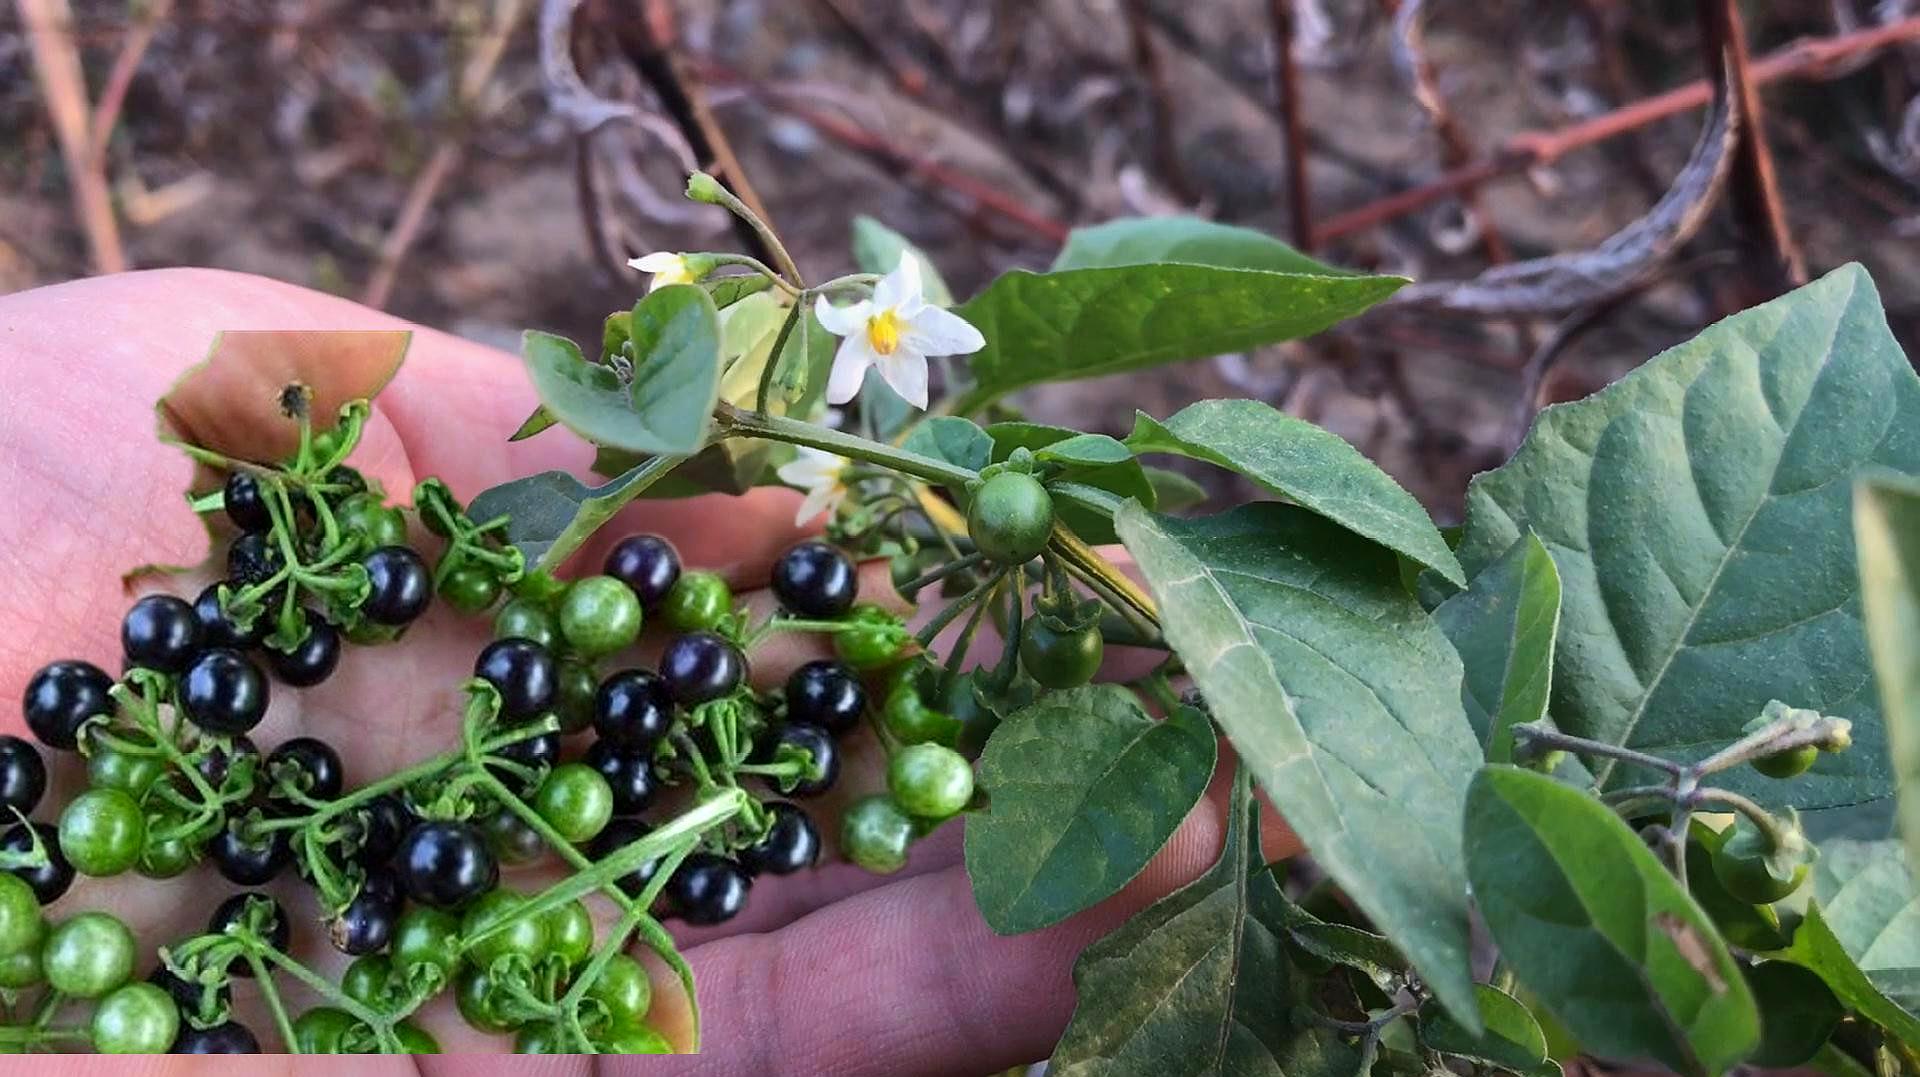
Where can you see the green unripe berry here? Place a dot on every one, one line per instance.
(599, 615)
(1011, 518)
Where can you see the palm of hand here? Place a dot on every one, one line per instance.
(831, 971)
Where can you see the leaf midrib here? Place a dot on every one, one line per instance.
(1606, 768)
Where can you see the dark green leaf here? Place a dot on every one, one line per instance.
(1198, 984)
(1085, 790)
(1172, 491)
(1594, 926)
(1343, 698)
(589, 398)
(1504, 626)
(1866, 889)
(877, 249)
(1816, 947)
(1511, 1038)
(1085, 450)
(1886, 524)
(957, 441)
(1140, 240)
(1797, 1013)
(1082, 323)
(552, 513)
(1124, 477)
(1301, 462)
(1699, 513)
(1344, 944)
(726, 291)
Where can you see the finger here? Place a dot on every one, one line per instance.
(913, 978)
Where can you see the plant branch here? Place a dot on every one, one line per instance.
(1286, 77)
(1776, 263)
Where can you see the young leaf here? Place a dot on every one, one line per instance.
(1504, 626)
(1309, 466)
(1816, 947)
(1594, 926)
(1122, 476)
(1085, 789)
(1698, 513)
(552, 513)
(1510, 1040)
(877, 249)
(1198, 984)
(1140, 240)
(1341, 696)
(1172, 491)
(1082, 323)
(1344, 944)
(665, 405)
(953, 439)
(1886, 527)
(1085, 451)
(726, 291)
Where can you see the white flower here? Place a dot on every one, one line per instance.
(818, 473)
(667, 268)
(895, 331)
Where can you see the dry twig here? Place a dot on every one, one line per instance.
(1286, 77)
(56, 65)
(1777, 263)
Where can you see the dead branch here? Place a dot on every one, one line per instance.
(1810, 58)
(1286, 78)
(56, 66)
(1456, 149)
(1754, 189)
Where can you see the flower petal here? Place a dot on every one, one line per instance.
(659, 262)
(936, 331)
(906, 371)
(900, 288)
(818, 500)
(846, 321)
(850, 365)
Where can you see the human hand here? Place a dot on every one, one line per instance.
(834, 971)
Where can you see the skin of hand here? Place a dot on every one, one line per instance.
(833, 971)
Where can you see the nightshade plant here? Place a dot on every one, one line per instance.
(1646, 712)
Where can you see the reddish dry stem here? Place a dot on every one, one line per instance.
(1292, 127)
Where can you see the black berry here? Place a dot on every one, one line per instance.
(217, 629)
(160, 632)
(827, 694)
(816, 742)
(646, 563)
(246, 502)
(278, 933)
(700, 666)
(633, 708)
(400, 587)
(792, 843)
(366, 924)
(252, 559)
(446, 864)
(524, 674)
(709, 889)
(61, 697)
(48, 880)
(230, 1038)
(815, 579)
(629, 773)
(250, 863)
(384, 820)
(23, 775)
(313, 765)
(224, 692)
(311, 662)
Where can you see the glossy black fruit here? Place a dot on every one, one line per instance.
(616, 836)
(23, 776)
(818, 742)
(816, 580)
(314, 764)
(648, 564)
(217, 629)
(218, 762)
(49, 880)
(313, 661)
(400, 586)
(446, 864)
(700, 666)
(792, 843)
(231, 1038)
(366, 925)
(278, 932)
(709, 889)
(633, 708)
(250, 863)
(246, 502)
(224, 692)
(542, 750)
(827, 694)
(629, 773)
(252, 559)
(524, 674)
(61, 697)
(160, 632)
(384, 821)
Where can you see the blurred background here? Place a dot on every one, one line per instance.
(487, 166)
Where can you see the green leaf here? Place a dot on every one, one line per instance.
(1511, 1038)
(552, 513)
(1698, 511)
(957, 441)
(1343, 698)
(540, 420)
(877, 249)
(1140, 240)
(1741, 923)
(1886, 527)
(1311, 467)
(726, 291)
(1504, 626)
(665, 405)
(1866, 891)
(1344, 944)
(1085, 790)
(1198, 983)
(1597, 929)
(1797, 1013)
(1172, 491)
(1123, 477)
(1084, 451)
(1816, 947)
(1083, 323)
